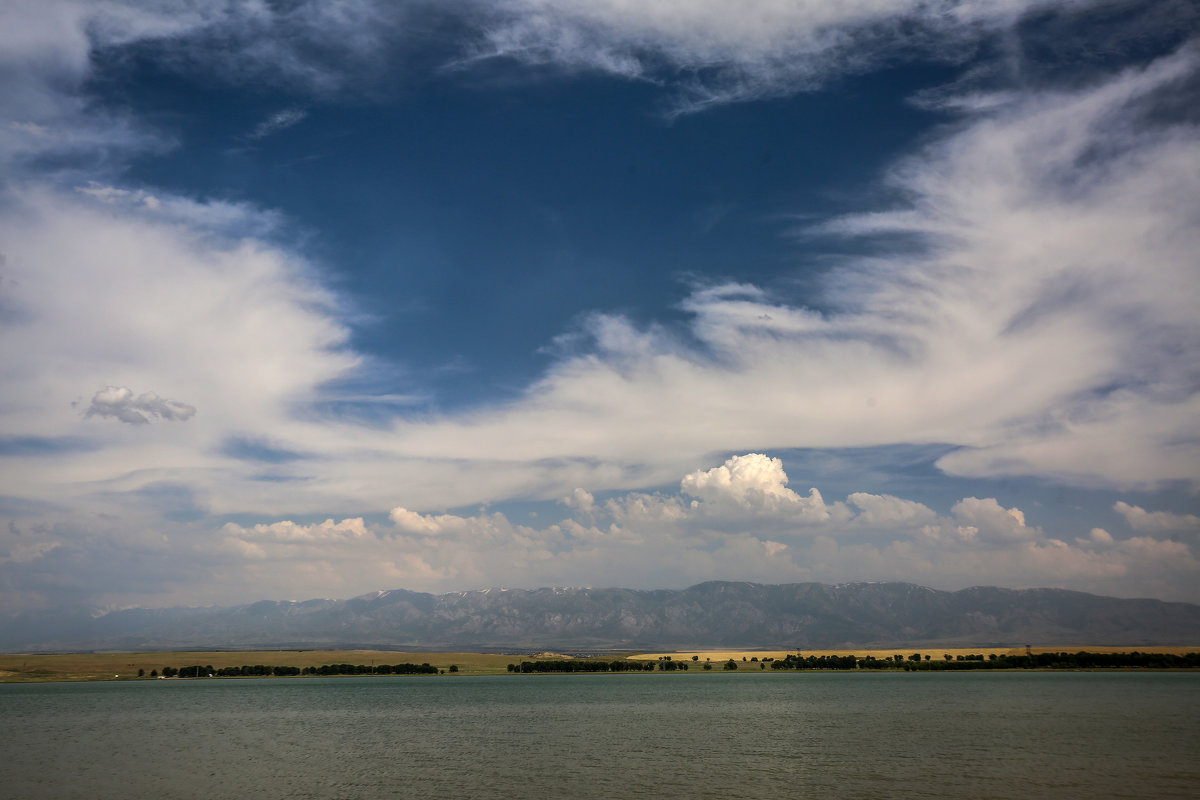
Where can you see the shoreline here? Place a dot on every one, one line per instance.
(125, 666)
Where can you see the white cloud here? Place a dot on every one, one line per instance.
(287, 531)
(110, 292)
(119, 402)
(633, 539)
(662, 539)
(47, 50)
(277, 122)
(1046, 327)
(881, 511)
(580, 499)
(1035, 332)
(736, 51)
(753, 482)
(1097, 537)
(988, 521)
(413, 523)
(1140, 519)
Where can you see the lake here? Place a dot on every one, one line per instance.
(676, 735)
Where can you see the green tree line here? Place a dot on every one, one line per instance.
(247, 670)
(592, 665)
(1063, 660)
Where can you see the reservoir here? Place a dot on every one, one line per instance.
(1010, 734)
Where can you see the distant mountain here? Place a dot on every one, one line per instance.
(713, 614)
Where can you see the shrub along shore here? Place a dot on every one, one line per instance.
(148, 666)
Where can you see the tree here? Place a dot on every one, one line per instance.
(454, 667)
(695, 658)
(731, 664)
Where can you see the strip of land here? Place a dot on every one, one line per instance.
(41, 667)
(925, 650)
(125, 666)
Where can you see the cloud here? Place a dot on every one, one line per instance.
(48, 51)
(1044, 327)
(580, 499)
(753, 482)
(986, 520)
(665, 539)
(1097, 537)
(729, 52)
(278, 122)
(289, 532)
(118, 402)
(1140, 519)
(888, 511)
(633, 539)
(705, 52)
(107, 291)
(1044, 324)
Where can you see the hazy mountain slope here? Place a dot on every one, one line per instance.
(713, 614)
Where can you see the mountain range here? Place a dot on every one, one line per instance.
(709, 615)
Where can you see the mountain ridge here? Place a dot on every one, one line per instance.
(710, 614)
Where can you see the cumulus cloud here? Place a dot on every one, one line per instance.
(1097, 537)
(1140, 519)
(413, 523)
(1045, 325)
(885, 510)
(632, 539)
(988, 521)
(580, 499)
(287, 531)
(119, 402)
(752, 480)
(653, 538)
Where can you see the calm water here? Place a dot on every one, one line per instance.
(708, 735)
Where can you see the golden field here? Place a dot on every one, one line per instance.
(124, 666)
(933, 652)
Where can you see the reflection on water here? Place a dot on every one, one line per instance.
(995, 735)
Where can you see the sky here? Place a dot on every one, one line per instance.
(312, 298)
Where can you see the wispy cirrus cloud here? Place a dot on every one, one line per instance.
(1045, 327)
(712, 53)
(277, 122)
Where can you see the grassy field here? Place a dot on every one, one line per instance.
(125, 666)
(934, 652)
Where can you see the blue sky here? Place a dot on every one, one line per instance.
(318, 297)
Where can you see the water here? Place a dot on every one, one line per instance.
(708, 735)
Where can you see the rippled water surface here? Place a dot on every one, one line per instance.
(708, 735)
